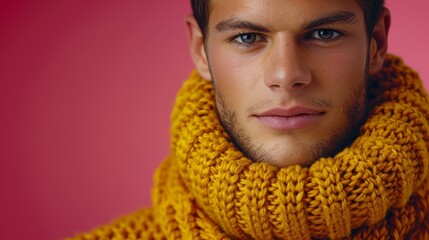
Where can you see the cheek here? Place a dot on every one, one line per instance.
(235, 75)
(343, 72)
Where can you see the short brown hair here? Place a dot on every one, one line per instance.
(371, 10)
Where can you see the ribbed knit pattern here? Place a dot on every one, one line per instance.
(377, 188)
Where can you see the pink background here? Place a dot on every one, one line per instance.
(86, 91)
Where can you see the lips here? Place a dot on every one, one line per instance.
(293, 118)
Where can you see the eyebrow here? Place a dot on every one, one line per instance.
(237, 24)
(338, 17)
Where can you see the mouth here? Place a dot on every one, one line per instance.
(294, 118)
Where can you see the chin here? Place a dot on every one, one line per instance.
(285, 159)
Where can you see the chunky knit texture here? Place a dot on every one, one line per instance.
(377, 188)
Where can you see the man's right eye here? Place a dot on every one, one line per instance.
(248, 41)
(247, 38)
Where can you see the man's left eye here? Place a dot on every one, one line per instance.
(325, 34)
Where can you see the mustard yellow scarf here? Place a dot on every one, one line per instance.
(377, 188)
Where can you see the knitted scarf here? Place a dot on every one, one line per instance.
(377, 188)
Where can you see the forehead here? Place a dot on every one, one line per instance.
(279, 11)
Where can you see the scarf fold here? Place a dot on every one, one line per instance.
(377, 188)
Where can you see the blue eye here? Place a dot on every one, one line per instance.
(247, 38)
(325, 34)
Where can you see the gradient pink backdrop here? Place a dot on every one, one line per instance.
(85, 94)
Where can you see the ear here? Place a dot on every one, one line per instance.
(378, 42)
(196, 47)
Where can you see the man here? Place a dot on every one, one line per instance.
(296, 124)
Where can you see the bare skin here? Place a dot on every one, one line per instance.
(289, 75)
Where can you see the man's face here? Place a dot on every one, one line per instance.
(289, 75)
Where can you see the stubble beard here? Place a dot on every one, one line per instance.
(354, 109)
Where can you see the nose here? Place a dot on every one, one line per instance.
(286, 65)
